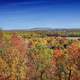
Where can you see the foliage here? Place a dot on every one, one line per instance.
(36, 56)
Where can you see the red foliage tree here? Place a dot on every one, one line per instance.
(19, 43)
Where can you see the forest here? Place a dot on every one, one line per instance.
(39, 55)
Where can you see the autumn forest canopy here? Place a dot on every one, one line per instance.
(40, 55)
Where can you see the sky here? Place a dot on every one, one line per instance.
(26, 14)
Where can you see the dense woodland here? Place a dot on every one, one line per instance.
(39, 55)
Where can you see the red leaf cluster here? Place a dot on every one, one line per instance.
(57, 53)
(19, 43)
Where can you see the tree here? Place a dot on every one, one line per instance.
(40, 58)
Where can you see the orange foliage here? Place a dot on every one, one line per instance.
(57, 53)
(74, 49)
(53, 61)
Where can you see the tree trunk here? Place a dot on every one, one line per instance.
(69, 75)
(41, 78)
(60, 77)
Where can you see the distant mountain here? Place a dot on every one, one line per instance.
(32, 29)
(44, 29)
(35, 29)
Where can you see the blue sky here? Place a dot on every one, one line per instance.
(24, 14)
